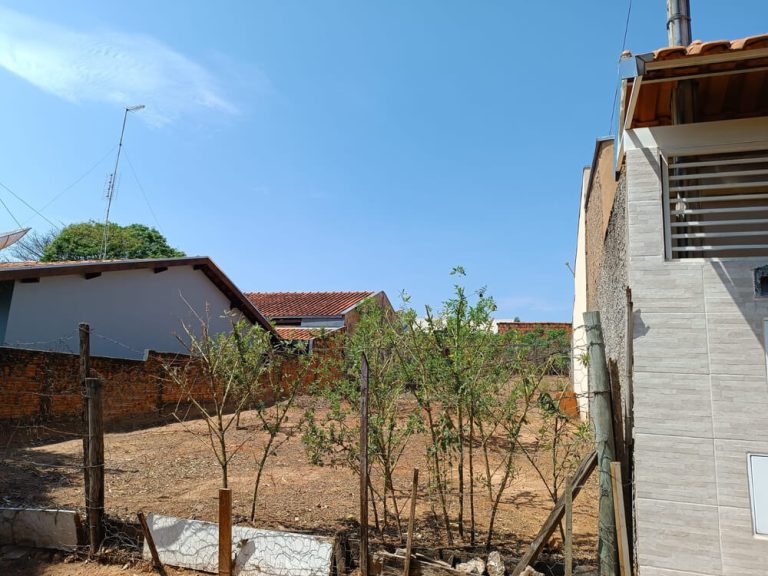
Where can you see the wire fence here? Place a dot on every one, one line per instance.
(158, 458)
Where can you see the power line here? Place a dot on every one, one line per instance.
(618, 77)
(141, 188)
(11, 213)
(28, 205)
(79, 179)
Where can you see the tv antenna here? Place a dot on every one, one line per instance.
(113, 177)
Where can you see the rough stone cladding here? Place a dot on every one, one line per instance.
(597, 215)
(700, 396)
(612, 280)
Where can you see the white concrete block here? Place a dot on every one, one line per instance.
(194, 544)
(39, 528)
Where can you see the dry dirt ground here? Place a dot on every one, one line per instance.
(170, 470)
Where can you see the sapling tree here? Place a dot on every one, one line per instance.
(217, 379)
(458, 366)
(333, 438)
(288, 371)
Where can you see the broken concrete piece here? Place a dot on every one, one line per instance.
(495, 564)
(473, 566)
(194, 544)
(529, 571)
(39, 528)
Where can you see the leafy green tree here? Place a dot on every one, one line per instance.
(333, 438)
(85, 241)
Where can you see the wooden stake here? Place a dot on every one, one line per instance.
(585, 468)
(363, 465)
(95, 502)
(621, 519)
(568, 544)
(225, 532)
(409, 541)
(150, 543)
(85, 372)
(602, 420)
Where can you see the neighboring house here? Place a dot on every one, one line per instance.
(307, 315)
(132, 306)
(673, 252)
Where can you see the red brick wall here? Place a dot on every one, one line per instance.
(44, 386)
(525, 327)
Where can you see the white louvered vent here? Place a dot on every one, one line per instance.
(716, 205)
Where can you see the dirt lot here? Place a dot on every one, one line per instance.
(169, 470)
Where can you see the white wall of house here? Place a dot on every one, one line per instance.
(129, 311)
(700, 383)
(579, 369)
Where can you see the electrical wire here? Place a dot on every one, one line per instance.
(141, 188)
(79, 179)
(28, 205)
(618, 71)
(11, 213)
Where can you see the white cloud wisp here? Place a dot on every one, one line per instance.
(113, 67)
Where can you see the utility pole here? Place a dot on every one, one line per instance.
(113, 177)
(600, 411)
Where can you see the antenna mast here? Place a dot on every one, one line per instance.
(113, 178)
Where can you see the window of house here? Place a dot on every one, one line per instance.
(716, 205)
(761, 281)
(758, 491)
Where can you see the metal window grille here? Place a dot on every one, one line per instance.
(716, 205)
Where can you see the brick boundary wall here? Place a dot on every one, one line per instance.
(41, 388)
(525, 327)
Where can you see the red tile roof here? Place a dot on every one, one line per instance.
(305, 304)
(297, 333)
(699, 48)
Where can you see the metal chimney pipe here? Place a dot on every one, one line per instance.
(679, 22)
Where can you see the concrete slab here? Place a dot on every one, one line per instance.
(194, 544)
(39, 528)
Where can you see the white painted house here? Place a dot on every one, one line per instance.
(676, 261)
(132, 306)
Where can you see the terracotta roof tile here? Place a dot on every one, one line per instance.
(297, 333)
(699, 48)
(305, 304)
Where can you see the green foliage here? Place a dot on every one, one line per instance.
(333, 439)
(552, 347)
(85, 241)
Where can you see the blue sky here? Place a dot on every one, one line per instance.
(330, 145)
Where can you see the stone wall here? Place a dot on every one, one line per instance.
(612, 280)
(598, 207)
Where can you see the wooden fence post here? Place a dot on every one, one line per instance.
(225, 532)
(150, 543)
(602, 420)
(85, 372)
(568, 544)
(363, 465)
(621, 519)
(409, 541)
(95, 501)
